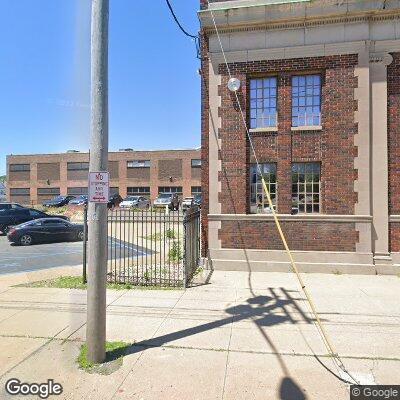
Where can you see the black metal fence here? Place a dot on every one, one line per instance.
(153, 247)
(192, 242)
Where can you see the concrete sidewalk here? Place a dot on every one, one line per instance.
(240, 337)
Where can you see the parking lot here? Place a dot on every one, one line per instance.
(40, 256)
(14, 259)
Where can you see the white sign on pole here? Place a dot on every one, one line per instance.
(98, 187)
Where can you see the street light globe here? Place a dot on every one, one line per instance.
(234, 84)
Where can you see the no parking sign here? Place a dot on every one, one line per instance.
(98, 187)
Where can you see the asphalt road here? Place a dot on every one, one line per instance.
(14, 259)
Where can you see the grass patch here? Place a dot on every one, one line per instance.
(114, 354)
(75, 282)
(155, 237)
(62, 282)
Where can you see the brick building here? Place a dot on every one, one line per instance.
(320, 88)
(31, 179)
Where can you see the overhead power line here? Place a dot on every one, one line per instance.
(184, 31)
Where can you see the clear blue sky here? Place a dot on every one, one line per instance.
(45, 76)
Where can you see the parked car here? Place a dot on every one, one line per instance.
(135, 201)
(16, 216)
(79, 201)
(114, 201)
(197, 199)
(8, 206)
(191, 201)
(58, 201)
(163, 199)
(45, 230)
(187, 203)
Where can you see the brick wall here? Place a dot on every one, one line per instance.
(19, 176)
(169, 168)
(262, 235)
(393, 72)
(139, 174)
(113, 167)
(23, 200)
(50, 171)
(196, 173)
(333, 147)
(41, 166)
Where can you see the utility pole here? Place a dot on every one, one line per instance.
(97, 213)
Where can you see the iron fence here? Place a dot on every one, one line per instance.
(152, 247)
(192, 240)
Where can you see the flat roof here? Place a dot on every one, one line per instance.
(110, 152)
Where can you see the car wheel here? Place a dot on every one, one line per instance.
(25, 240)
(80, 235)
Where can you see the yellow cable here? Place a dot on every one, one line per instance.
(295, 269)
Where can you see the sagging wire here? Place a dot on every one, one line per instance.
(320, 327)
(195, 38)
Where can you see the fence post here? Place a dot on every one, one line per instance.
(185, 233)
(84, 264)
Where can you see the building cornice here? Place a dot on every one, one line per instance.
(304, 22)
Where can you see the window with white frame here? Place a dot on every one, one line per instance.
(306, 100)
(170, 189)
(138, 190)
(48, 191)
(196, 163)
(263, 93)
(306, 186)
(77, 191)
(258, 197)
(20, 167)
(78, 166)
(196, 190)
(139, 164)
(19, 191)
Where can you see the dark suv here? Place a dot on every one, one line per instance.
(9, 206)
(114, 201)
(58, 201)
(16, 216)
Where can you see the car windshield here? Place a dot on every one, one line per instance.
(165, 195)
(57, 198)
(132, 198)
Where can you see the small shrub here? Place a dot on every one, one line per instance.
(175, 254)
(170, 234)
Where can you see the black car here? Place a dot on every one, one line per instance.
(197, 200)
(114, 201)
(8, 206)
(16, 216)
(45, 230)
(58, 201)
(79, 201)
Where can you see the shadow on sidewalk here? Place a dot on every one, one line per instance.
(261, 310)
